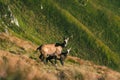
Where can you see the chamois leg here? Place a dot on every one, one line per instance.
(55, 57)
(61, 61)
(41, 57)
(51, 61)
(44, 59)
(49, 58)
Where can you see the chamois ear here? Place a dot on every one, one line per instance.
(67, 39)
(70, 48)
(71, 36)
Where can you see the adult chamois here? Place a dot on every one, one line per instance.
(61, 58)
(51, 50)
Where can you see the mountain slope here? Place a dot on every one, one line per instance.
(24, 67)
(93, 25)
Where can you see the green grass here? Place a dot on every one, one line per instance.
(95, 27)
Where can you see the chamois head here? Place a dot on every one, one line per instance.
(66, 41)
(68, 50)
(63, 56)
(66, 53)
(64, 44)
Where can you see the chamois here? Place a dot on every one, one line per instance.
(61, 58)
(51, 49)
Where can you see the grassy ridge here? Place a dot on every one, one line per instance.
(100, 20)
(106, 53)
(94, 28)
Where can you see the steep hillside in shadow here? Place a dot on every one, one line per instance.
(92, 25)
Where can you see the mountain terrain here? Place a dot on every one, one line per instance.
(93, 27)
(18, 66)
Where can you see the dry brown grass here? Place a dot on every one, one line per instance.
(19, 42)
(28, 69)
(21, 67)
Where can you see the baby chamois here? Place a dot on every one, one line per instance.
(51, 49)
(61, 58)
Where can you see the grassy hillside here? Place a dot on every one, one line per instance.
(94, 26)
